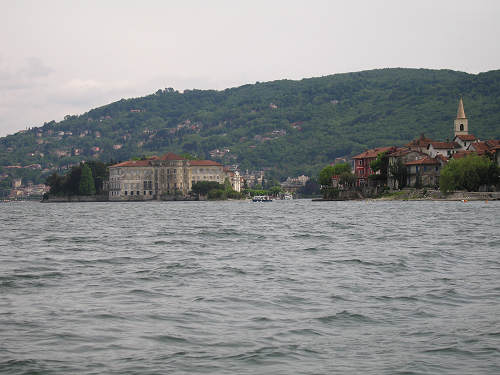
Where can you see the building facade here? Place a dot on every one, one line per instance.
(163, 177)
(362, 168)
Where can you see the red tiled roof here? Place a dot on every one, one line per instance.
(461, 154)
(442, 158)
(466, 137)
(132, 163)
(444, 145)
(424, 161)
(204, 163)
(372, 153)
(493, 143)
(400, 151)
(422, 141)
(171, 156)
(479, 147)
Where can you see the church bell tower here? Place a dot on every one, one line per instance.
(461, 123)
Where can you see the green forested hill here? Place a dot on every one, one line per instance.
(289, 126)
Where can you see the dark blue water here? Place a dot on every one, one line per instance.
(288, 287)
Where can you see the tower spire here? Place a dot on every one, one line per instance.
(461, 112)
(461, 122)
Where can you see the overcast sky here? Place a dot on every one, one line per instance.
(66, 57)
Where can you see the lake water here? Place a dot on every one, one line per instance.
(288, 287)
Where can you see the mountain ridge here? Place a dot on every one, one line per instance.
(286, 126)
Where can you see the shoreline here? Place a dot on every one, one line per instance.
(428, 195)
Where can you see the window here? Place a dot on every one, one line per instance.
(132, 192)
(461, 127)
(144, 192)
(150, 192)
(138, 193)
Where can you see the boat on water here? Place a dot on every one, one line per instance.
(287, 197)
(262, 198)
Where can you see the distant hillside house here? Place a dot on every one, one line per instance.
(166, 176)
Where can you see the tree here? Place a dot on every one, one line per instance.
(87, 185)
(71, 182)
(347, 179)
(216, 194)
(310, 188)
(399, 172)
(56, 183)
(203, 187)
(380, 164)
(468, 173)
(326, 174)
(227, 185)
(99, 173)
(275, 190)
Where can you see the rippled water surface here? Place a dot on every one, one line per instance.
(288, 287)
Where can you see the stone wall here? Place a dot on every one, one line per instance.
(76, 198)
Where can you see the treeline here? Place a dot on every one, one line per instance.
(469, 173)
(84, 179)
(212, 190)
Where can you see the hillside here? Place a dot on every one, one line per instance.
(289, 126)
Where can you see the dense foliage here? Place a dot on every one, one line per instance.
(83, 179)
(212, 190)
(311, 188)
(344, 177)
(86, 186)
(290, 127)
(326, 174)
(468, 173)
(399, 172)
(380, 166)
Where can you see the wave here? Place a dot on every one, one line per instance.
(345, 317)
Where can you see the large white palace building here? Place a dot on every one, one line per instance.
(166, 176)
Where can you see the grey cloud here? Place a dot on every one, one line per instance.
(32, 72)
(36, 68)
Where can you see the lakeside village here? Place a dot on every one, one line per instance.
(420, 166)
(424, 168)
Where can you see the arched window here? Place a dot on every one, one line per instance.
(461, 127)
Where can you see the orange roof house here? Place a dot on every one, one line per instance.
(362, 161)
(419, 144)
